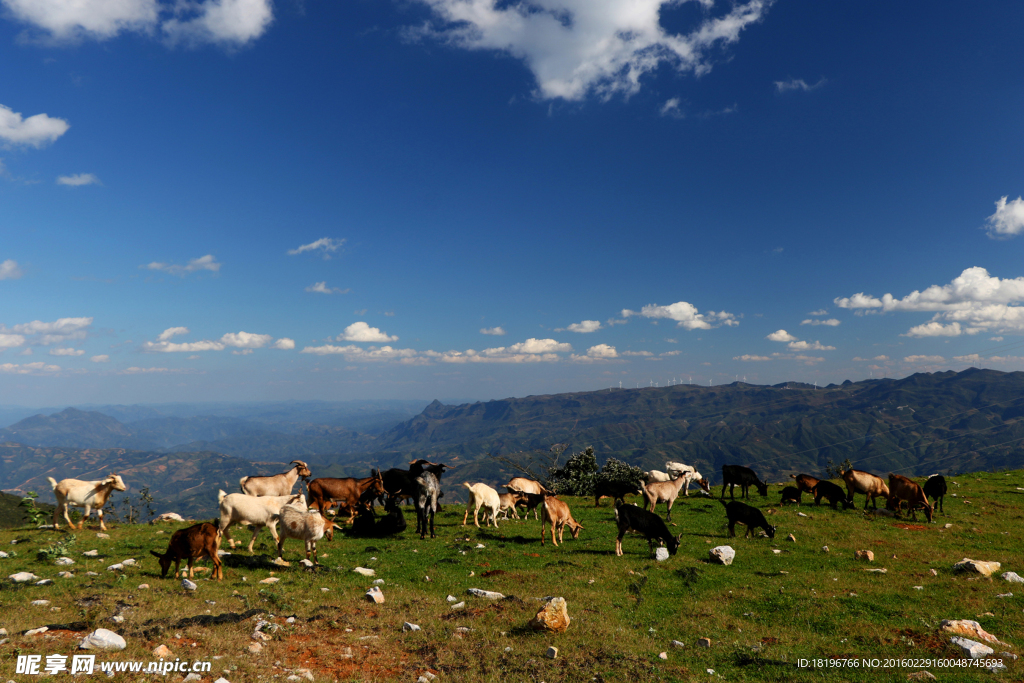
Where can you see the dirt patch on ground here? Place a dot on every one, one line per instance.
(911, 527)
(336, 660)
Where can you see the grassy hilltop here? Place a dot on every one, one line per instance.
(762, 614)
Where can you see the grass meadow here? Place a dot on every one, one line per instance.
(762, 614)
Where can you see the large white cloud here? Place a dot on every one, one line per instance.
(780, 336)
(9, 270)
(216, 21)
(35, 131)
(1008, 220)
(62, 329)
(208, 262)
(66, 352)
(575, 47)
(11, 341)
(362, 332)
(597, 353)
(183, 347)
(247, 341)
(533, 345)
(171, 332)
(809, 346)
(685, 314)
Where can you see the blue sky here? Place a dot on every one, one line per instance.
(247, 199)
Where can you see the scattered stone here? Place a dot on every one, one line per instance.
(921, 676)
(92, 553)
(3, 632)
(308, 564)
(281, 562)
(254, 648)
(23, 577)
(102, 535)
(800, 514)
(880, 570)
(365, 572)
(824, 548)
(479, 545)
(410, 627)
(864, 555)
(967, 627)
(919, 588)
(661, 554)
(947, 526)
(222, 680)
(271, 579)
(91, 574)
(1008, 655)
(44, 582)
(40, 603)
(791, 538)
(427, 578)
(375, 595)
(704, 642)
(459, 605)
(553, 616)
(102, 639)
(3, 555)
(189, 585)
(143, 586)
(378, 582)
(290, 620)
(324, 590)
(168, 517)
(463, 629)
(723, 554)
(490, 595)
(678, 644)
(1012, 577)
(662, 655)
(63, 562)
(1004, 595)
(977, 566)
(117, 619)
(776, 551)
(37, 631)
(129, 562)
(115, 567)
(971, 648)
(452, 598)
(552, 652)
(933, 572)
(162, 651)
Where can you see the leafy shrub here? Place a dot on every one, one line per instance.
(618, 472)
(578, 476)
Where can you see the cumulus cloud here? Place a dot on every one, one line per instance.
(973, 302)
(322, 288)
(147, 371)
(362, 332)
(183, 347)
(78, 180)
(670, 353)
(9, 270)
(780, 336)
(494, 331)
(585, 327)
(233, 22)
(62, 329)
(671, 108)
(208, 262)
(359, 353)
(326, 246)
(809, 346)
(972, 358)
(171, 332)
(35, 131)
(797, 84)
(102, 358)
(879, 358)
(283, 344)
(238, 340)
(533, 345)
(686, 315)
(37, 368)
(597, 353)
(11, 341)
(1008, 220)
(642, 354)
(749, 357)
(831, 322)
(924, 359)
(820, 311)
(66, 352)
(577, 47)
(246, 340)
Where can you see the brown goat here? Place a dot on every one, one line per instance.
(900, 489)
(347, 491)
(557, 513)
(866, 483)
(193, 543)
(805, 482)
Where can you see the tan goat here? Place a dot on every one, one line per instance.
(663, 492)
(92, 495)
(557, 514)
(482, 495)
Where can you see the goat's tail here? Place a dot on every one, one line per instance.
(53, 482)
(221, 495)
(241, 483)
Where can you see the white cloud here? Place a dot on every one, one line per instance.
(37, 368)
(1008, 220)
(78, 180)
(533, 345)
(325, 245)
(102, 358)
(820, 311)
(670, 353)
(357, 353)
(11, 341)
(749, 357)
(9, 270)
(184, 347)
(171, 332)
(935, 329)
(243, 352)
(362, 332)
(322, 288)
(147, 371)
(686, 315)
(602, 351)
(35, 131)
(585, 327)
(208, 262)
(671, 108)
(972, 358)
(831, 322)
(575, 47)
(495, 331)
(234, 22)
(797, 84)
(924, 359)
(780, 336)
(246, 340)
(25, 352)
(809, 346)
(642, 354)
(284, 344)
(58, 331)
(996, 339)
(858, 358)
(66, 352)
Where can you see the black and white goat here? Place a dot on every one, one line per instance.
(647, 524)
(428, 490)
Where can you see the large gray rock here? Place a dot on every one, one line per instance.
(102, 639)
(723, 554)
(971, 648)
(976, 566)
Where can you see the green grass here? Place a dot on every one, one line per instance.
(762, 614)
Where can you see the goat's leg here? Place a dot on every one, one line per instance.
(65, 506)
(99, 513)
(723, 490)
(85, 516)
(465, 517)
(177, 566)
(618, 545)
(476, 515)
(670, 510)
(189, 565)
(732, 529)
(252, 541)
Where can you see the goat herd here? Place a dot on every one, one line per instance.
(268, 501)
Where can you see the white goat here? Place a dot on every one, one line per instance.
(689, 474)
(307, 525)
(656, 475)
(88, 494)
(276, 485)
(482, 495)
(259, 512)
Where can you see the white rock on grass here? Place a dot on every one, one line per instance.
(552, 652)
(102, 535)
(44, 582)
(1012, 577)
(452, 598)
(978, 566)
(661, 554)
(459, 605)
(37, 631)
(115, 567)
(102, 639)
(272, 579)
(480, 593)
(23, 577)
(364, 571)
(189, 585)
(679, 645)
(63, 562)
(66, 575)
(375, 595)
(162, 651)
(39, 603)
(971, 648)
(723, 554)
(407, 626)
(91, 553)
(129, 562)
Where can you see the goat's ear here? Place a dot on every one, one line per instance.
(679, 537)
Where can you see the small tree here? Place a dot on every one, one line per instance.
(35, 515)
(132, 509)
(578, 476)
(618, 472)
(834, 471)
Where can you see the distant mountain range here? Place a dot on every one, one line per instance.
(918, 425)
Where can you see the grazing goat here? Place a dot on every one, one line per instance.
(868, 484)
(834, 494)
(306, 525)
(366, 525)
(663, 492)
(527, 486)
(428, 490)
(935, 488)
(744, 477)
(805, 482)
(902, 488)
(647, 524)
(689, 473)
(482, 495)
(656, 475)
(616, 490)
(257, 511)
(193, 543)
(791, 494)
(508, 502)
(276, 485)
(749, 516)
(532, 501)
(348, 492)
(557, 514)
(92, 495)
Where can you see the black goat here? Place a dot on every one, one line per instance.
(401, 484)
(791, 494)
(935, 488)
(647, 524)
(367, 526)
(744, 477)
(616, 490)
(834, 494)
(748, 516)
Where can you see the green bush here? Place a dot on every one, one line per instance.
(578, 476)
